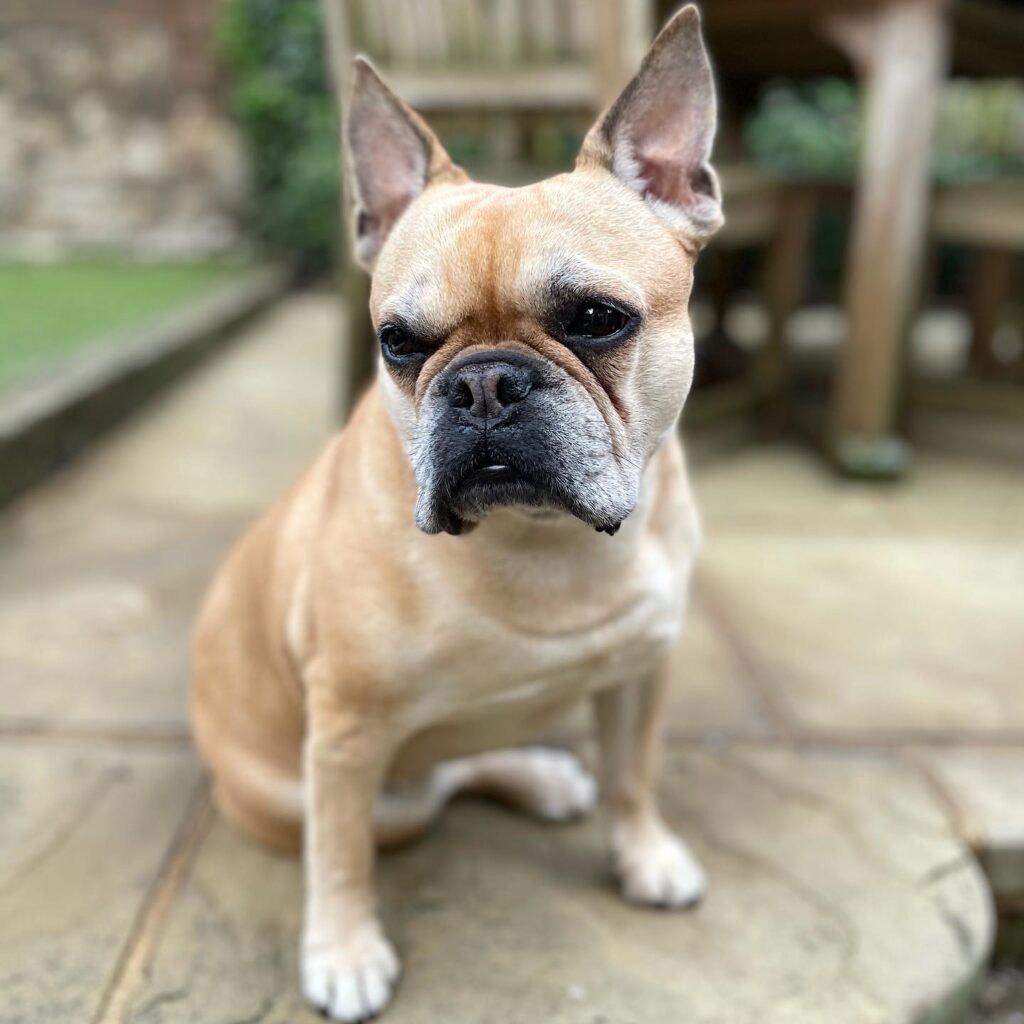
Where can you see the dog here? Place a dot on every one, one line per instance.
(503, 529)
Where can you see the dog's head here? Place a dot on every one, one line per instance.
(535, 342)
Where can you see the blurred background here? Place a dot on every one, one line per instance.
(181, 327)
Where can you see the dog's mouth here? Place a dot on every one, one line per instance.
(469, 491)
(486, 480)
(554, 458)
(492, 475)
(476, 488)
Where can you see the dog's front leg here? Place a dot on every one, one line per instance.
(348, 966)
(654, 866)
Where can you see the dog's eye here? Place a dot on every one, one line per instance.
(595, 320)
(399, 346)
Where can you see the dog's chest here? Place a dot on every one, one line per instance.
(506, 674)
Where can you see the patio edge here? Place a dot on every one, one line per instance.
(48, 419)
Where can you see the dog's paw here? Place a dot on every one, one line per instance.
(350, 981)
(566, 790)
(655, 868)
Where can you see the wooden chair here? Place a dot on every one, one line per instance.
(511, 60)
(762, 212)
(988, 219)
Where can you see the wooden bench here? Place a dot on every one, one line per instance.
(510, 60)
(988, 219)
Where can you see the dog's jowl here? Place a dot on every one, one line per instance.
(502, 530)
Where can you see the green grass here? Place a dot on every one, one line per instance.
(48, 311)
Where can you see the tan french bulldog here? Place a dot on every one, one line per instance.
(503, 529)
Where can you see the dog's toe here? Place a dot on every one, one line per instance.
(566, 790)
(659, 870)
(351, 981)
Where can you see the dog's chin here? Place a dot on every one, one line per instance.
(463, 498)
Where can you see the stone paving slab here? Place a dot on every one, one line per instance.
(987, 790)
(874, 637)
(784, 489)
(768, 490)
(838, 893)
(712, 692)
(109, 562)
(83, 833)
(104, 644)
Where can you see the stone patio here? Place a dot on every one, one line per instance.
(846, 728)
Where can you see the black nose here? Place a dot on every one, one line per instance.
(489, 391)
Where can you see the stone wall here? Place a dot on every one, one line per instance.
(113, 134)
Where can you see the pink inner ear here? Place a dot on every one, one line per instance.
(665, 178)
(669, 142)
(393, 171)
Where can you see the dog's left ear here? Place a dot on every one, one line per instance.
(657, 136)
(392, 157)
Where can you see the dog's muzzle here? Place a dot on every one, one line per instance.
(500, 428)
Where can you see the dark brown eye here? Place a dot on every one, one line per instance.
(596, 320)
(399, 346)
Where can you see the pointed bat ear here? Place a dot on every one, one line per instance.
(392, 156)
(657, 136)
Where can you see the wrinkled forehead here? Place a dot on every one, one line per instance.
(474, 249)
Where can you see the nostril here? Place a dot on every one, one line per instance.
(505, 391)
(511, 388)
(460, 396)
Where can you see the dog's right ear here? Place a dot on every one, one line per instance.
(392, 156)
(657, 136)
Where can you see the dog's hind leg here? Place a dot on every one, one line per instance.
(548, 783)
(543, 781)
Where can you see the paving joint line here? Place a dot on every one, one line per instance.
(174, 736)
(140, 945)
(960, 819)
(753, 678)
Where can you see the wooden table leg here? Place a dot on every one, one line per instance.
(989, 289)
(785, 274)
(357, 349)
(900, 52)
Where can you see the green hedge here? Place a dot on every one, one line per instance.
(281, 99)
(813, 129)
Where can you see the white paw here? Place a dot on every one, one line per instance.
(352, 980)
(567, 789)
(657, 869)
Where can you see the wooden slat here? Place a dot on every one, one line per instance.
(721, 15)
(751, 200)
(613, 64)
(983, 398)
(464, 30)
(506, 33)
(988, 214)
(433, 31)
(403, 39)
(580, 27)
(366, 26)
(542, 25)
(988, 38)
(564, 88)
